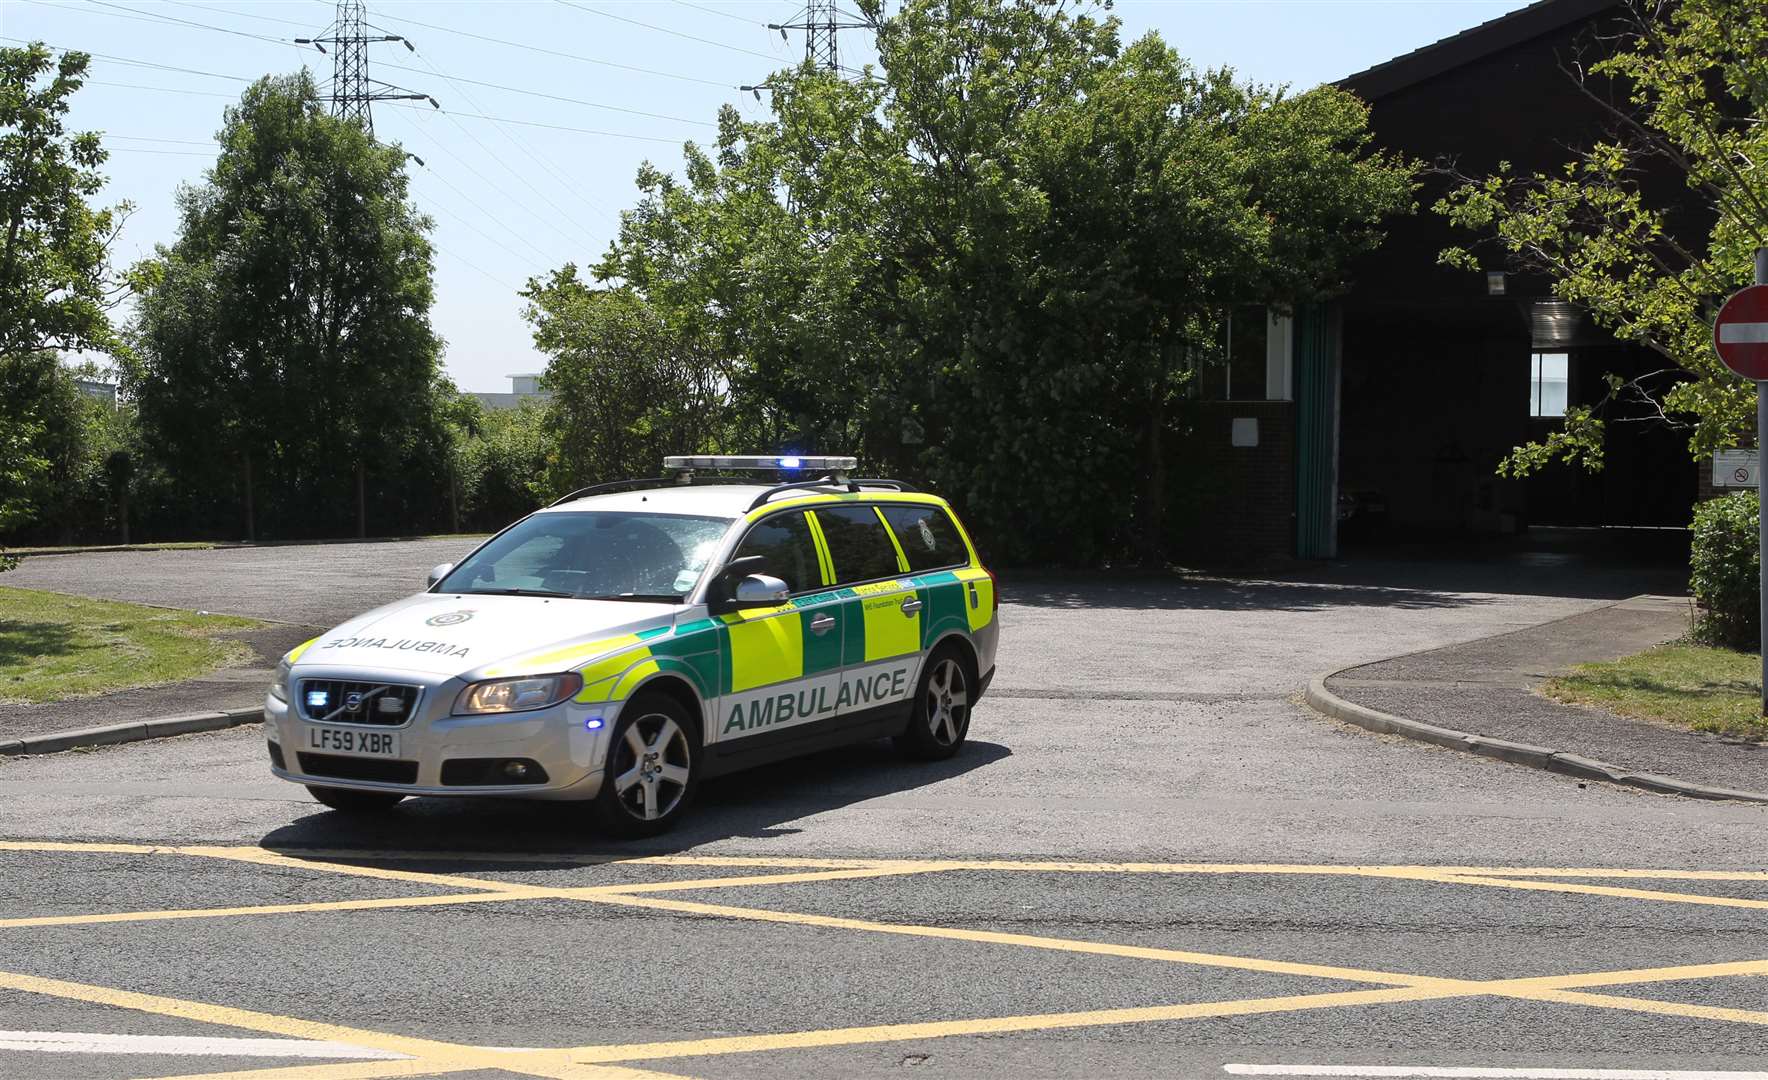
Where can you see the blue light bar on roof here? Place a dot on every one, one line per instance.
(764, 462)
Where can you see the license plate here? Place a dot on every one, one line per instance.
(383, 744)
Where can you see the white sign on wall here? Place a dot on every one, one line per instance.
(1736, 468)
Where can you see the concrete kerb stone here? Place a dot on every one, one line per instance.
(130, 731)
(1538, 757)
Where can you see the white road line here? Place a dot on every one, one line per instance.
(1452, 1072)
(82, 1042)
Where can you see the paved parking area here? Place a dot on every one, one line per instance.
(765, 966)
(1149, 861)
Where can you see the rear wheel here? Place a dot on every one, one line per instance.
(652, 769)
(940, 718)
(350, 801)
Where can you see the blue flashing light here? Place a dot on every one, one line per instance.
(318, 699)
(790, 463)
(594, 723)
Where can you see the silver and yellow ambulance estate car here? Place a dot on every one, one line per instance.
(635, 638)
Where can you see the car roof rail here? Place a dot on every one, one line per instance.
(643, 484)
(831, 481)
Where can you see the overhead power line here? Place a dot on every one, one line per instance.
(722, 14)
(554, 127)
(666, 30)
(237, 14)
(118, 11)
(558, 97)
(554, 52)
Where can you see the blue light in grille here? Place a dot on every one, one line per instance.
(318, 699)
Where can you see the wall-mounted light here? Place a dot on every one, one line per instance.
(1495, 282)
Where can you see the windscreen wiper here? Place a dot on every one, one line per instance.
(524, 592)
(649, 598)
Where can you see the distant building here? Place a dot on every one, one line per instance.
(98, 389)
(522, 388)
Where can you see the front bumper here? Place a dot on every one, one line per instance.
(556, 739)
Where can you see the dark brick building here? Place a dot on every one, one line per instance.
(1399, 400)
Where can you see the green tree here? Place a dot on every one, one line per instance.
(283, 341)
(54, 271)
(987, 264)
(1614, 238)
(629, 383)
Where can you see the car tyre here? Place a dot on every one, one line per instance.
(939, 718)
(351, 801)
(652, 768)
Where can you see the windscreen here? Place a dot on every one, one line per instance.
(593, 555)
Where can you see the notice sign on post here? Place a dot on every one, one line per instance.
(1736, 469)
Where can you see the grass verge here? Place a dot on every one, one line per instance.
(54, 647)
(1692, 686)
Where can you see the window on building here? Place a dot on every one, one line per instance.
(1549, 384)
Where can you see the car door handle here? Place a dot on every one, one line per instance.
(821, 624)
(910, 606)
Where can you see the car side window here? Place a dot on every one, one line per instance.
(858, 545)
(784, 540)
(928, 537)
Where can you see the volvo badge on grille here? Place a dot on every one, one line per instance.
(353, 700)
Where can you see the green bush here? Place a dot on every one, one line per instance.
(1725, 561)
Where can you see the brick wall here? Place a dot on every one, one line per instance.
(1235, 504)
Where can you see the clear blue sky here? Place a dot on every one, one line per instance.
(510, 200)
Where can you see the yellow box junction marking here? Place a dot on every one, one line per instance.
(432, 1057)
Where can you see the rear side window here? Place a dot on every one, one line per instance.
(928, 537)
(784, 540)
(858, 545)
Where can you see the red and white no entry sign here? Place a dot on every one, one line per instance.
(1740, 333)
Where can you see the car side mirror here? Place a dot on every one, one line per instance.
(437, 573)
(721, 597)
(760, 590)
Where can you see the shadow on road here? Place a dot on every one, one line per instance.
(756, 805)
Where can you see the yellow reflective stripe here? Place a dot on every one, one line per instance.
(565, 658)
(629, 681)
(889, 631)
(825, 564)
(902, 560)
(600, 691)
(295, 653)
(837, 498)
(766, 649)
(613, 665)
(982, 612)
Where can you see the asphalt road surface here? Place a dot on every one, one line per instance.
(1150, 861)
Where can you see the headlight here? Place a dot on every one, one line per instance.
(280, 688)
(517, 695)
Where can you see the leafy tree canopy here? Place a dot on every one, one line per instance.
(1693, 77)
(287, 329)
(54, 282)
(988, 263)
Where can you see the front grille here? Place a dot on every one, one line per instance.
(355, 768)
(388, 704)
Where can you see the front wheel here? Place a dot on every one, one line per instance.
(351, 801)
(652, 769)
(940, 717)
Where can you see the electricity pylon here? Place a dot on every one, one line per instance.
(352, 90)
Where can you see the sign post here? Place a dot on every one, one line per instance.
(1740, 334)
